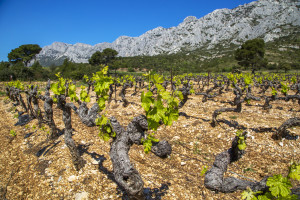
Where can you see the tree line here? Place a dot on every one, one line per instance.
(249, 56)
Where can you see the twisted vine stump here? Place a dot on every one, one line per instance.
(214, 178)
(282, 131)
(111, 91)
(18, 93)
(249, 94)
(9, 93)
(185, 93)
(237, 101)
(136, 131)
(48, 103)
(275, 97)
(66, 108)
(37, 110)
(15, 95)
(123, 93)
(267, 104)
(29, 107)
(206, 94)
(88, 115)
(125, 173)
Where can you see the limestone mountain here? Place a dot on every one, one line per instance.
(267, 19)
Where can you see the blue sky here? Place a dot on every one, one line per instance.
(43, 22)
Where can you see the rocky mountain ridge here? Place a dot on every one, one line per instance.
(268, 19)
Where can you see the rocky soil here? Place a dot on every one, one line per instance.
(31, 167)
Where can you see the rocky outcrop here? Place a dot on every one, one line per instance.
(268, 19)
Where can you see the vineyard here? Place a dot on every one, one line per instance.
(191, 136)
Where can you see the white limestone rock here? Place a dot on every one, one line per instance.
(269, 19)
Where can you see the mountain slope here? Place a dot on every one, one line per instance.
(268, 19)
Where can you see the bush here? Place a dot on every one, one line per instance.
(130, 69)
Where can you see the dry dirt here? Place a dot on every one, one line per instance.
(32, 167)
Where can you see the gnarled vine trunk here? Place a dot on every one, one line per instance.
(237, 101)
(21, 99)
(123, 93)
(185, 93)
(214, 178)
(282, 131)
(86, 115)
(125, 173)
(66, 108)
(37, 110)
(48, 103)
(29, 107)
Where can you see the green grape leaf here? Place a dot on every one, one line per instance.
(158, 79)
(250, 195)
(104, 136)
(160, 109)
(147, 146)
(192, 91)
(284, 88)
(179, 94)
(147, 143)
(152, 124)
(54, 88)
(101, 103)
(86, 78)
(265, 197)
(146, 100)
(242, 146)
(84, 95)
(241, 143)
(294, 171)
(165, 95)
(72, 93)
(159, 87)
(274, 92)
(101, 120)
(72, 87)
(172, 116)
(279, 186)
(105, 131)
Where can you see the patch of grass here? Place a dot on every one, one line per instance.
(2, 93)
(248, 169)
(43, 128)
(81, 83)
(196, 149)
(233, 117)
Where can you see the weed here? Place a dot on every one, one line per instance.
(233, 117)
(43, 128)
(204, 170)
(13, 133)
(249, 169)
(2, 93)
(196, 148)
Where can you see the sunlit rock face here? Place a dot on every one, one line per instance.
(268, 19)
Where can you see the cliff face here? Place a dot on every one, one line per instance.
(268, 19)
